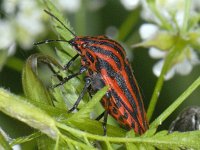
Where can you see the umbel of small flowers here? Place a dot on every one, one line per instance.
(173, 27)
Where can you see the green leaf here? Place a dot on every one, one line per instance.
(130, 146)
(163, 41)
(25, 139)
(46, 143)
(20, 109)
(95, 127)
(85, 111)
(177, 140)
(33, 87)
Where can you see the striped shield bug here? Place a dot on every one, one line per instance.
(105, 62)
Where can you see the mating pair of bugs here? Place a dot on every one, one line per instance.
(104, 60)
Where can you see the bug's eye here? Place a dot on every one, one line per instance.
(84, 45)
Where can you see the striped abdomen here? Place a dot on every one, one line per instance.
(108, 65)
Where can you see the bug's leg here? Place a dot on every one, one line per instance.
(105, 122)
(87, 84)
(82, 69)
(100, 116)
(60, 78)
(66, 67)
(105, 115)
(70, 62)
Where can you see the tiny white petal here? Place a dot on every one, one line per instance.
(157, 68)
(7, 35)
(171, 5)
(147, 14)
(148, 31)
(16, 147)
(11, 49)
(180, 18)
(184, 67)
(156, 53)
(70, 5)
(170, 73)
(130, 4)
(9, 6)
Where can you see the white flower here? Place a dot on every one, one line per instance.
(9, 6)
(6, 38)
(23, 25)
(183, 67)
(29, 21)
(71, 6)
(173, 13)
(148, 31)
(130, 4)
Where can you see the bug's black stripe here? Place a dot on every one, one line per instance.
(90, 57)
(120, 81)
(134, 88)
(133, 114)
(113, 45)
(112, 42)
(107, 53)
(116, 97)
(108, 42)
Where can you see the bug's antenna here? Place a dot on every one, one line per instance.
(60, 22)
(49, 41)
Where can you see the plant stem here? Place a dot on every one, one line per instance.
(158, 87)
(186, 16)
(128, 25)
(176, 103)
(176, 50)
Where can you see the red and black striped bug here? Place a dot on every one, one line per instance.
(105, 62)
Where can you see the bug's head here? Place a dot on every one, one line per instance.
(79, 43)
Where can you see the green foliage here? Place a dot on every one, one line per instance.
(3, 142)
(3, 57)
(45, 110)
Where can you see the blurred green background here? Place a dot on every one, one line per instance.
(108, 17)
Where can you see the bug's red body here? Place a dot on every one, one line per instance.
(107, 65)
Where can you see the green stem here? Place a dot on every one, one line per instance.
(136, 140)
(128, 25)
(167, 64)
(186, 16)
(176, 103)
(158, 86)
